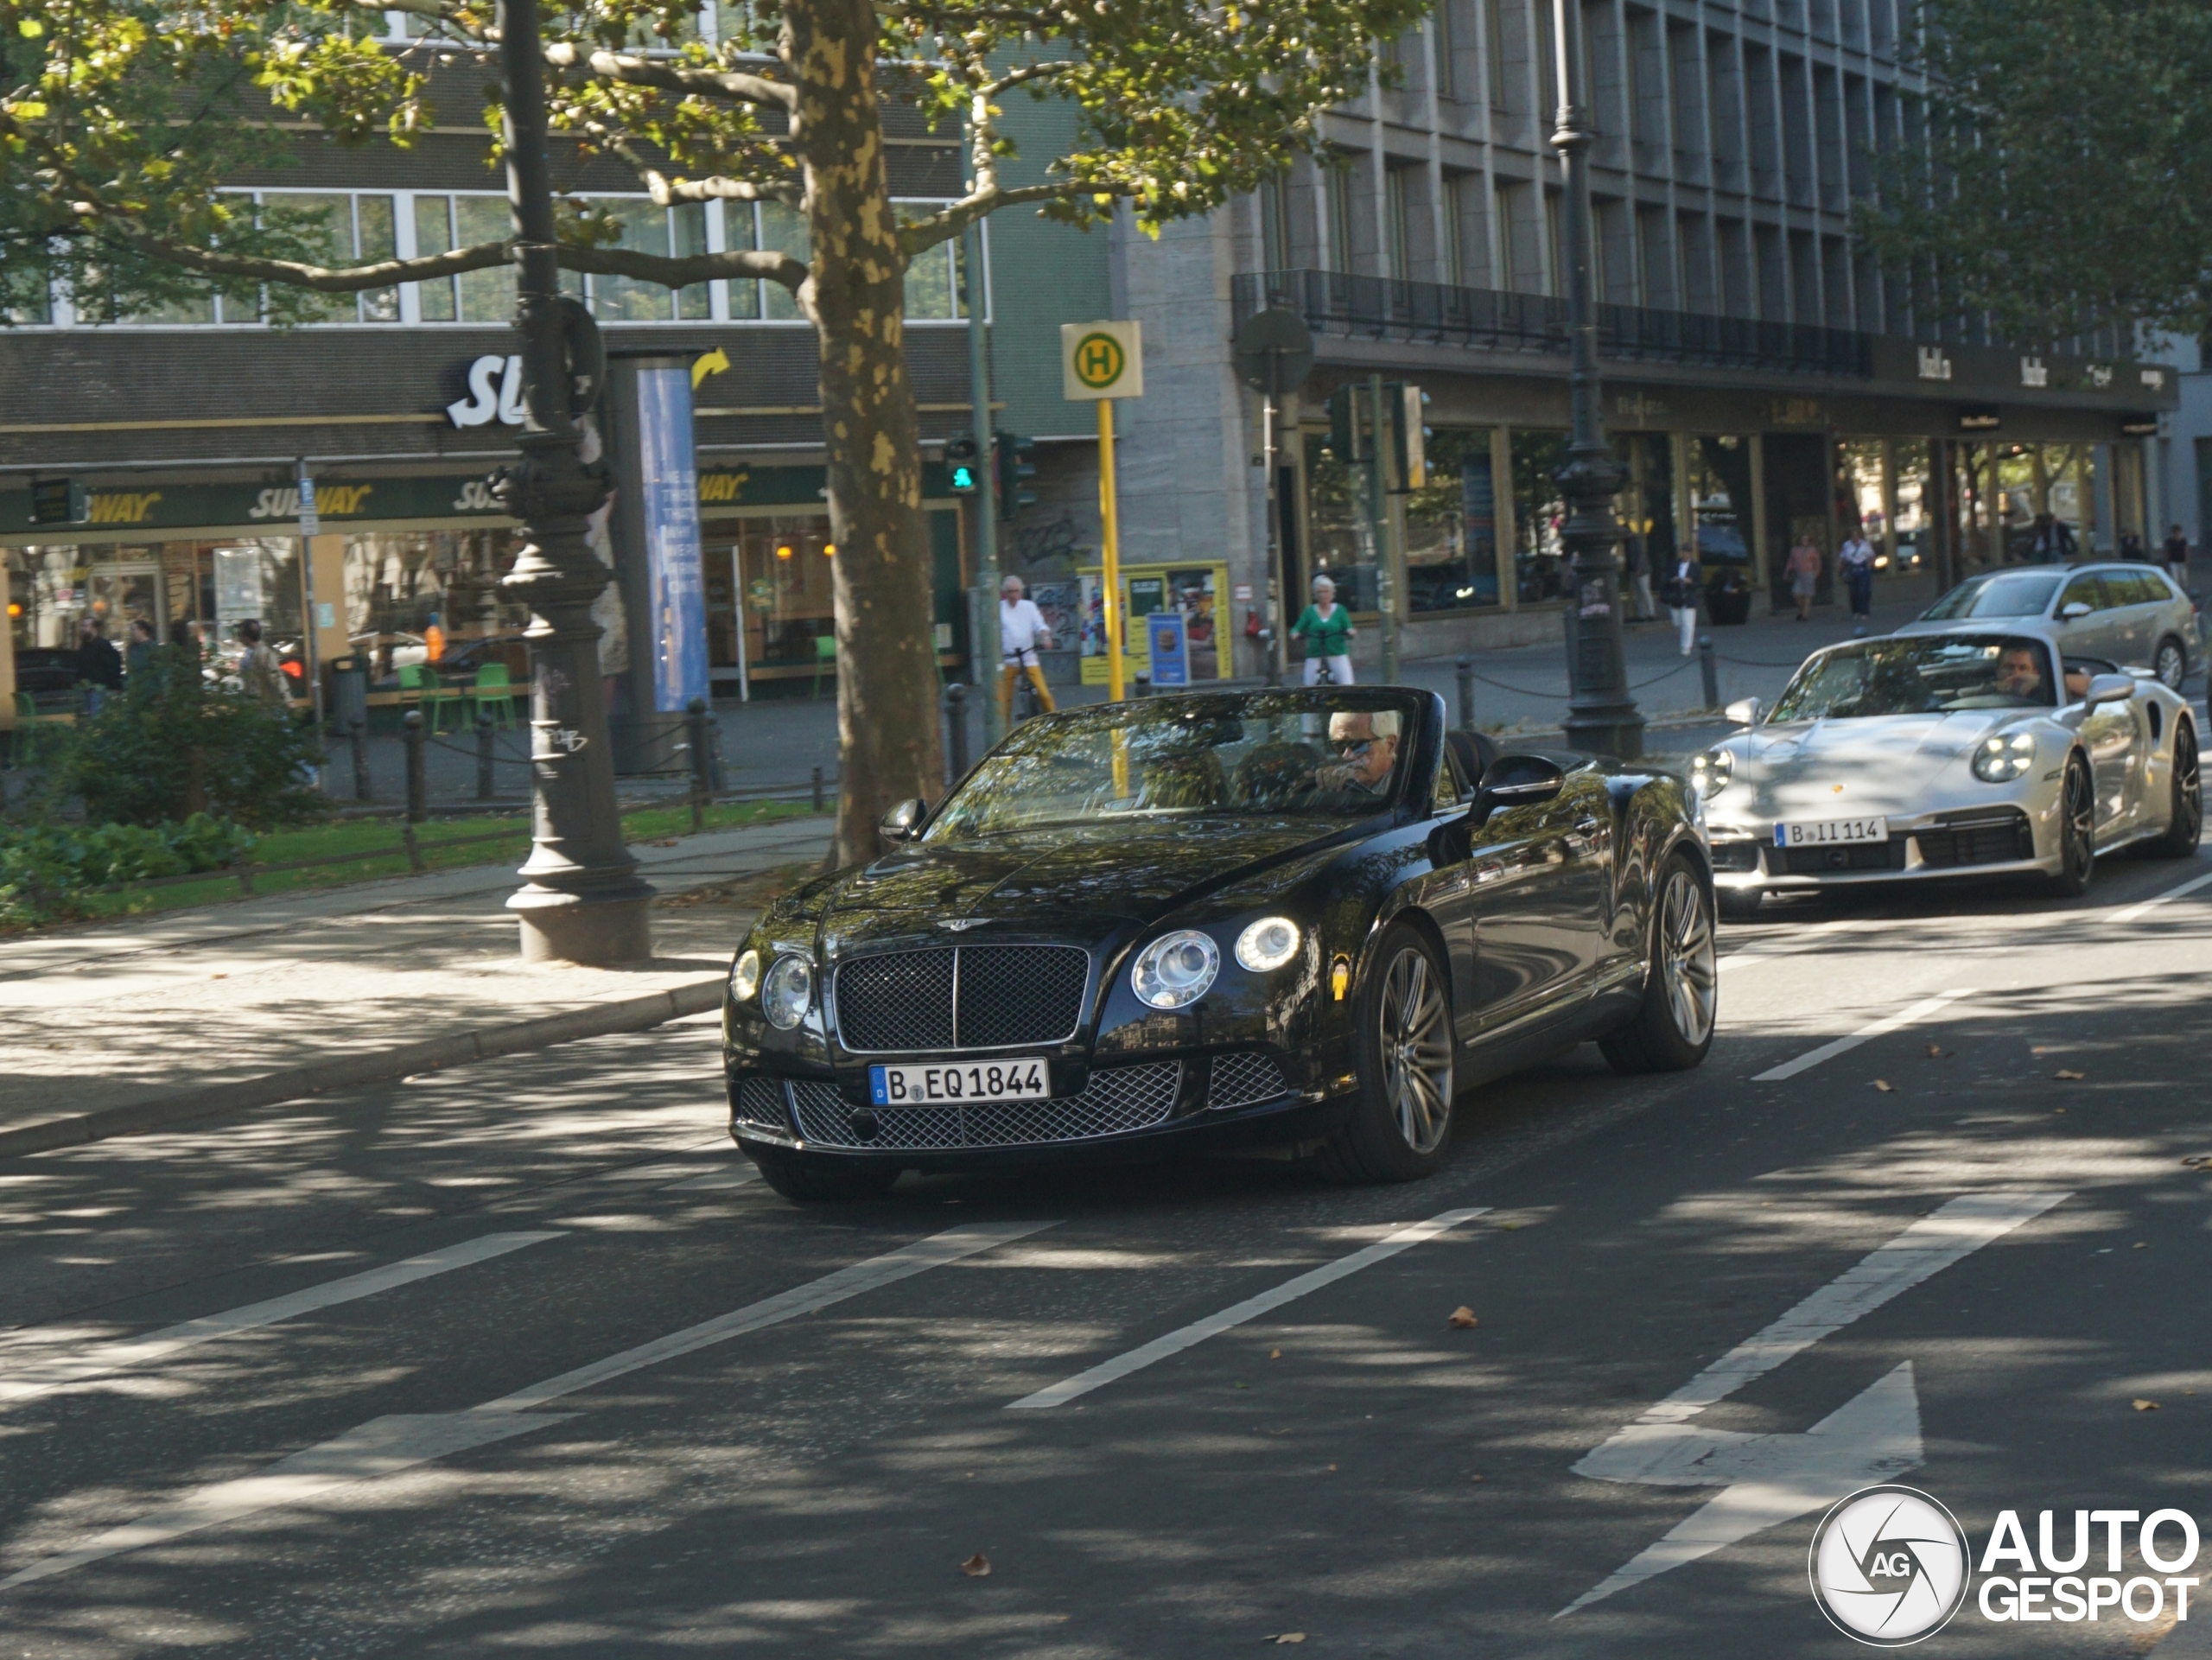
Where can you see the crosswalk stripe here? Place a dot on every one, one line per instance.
(1198, 1331)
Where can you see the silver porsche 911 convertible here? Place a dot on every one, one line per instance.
(1981, 750)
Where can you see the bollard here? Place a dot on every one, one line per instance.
(484, 790)
(357, 734)
(702, 776)
(418, 788)
(1710, 670)
(1466, 667)
(817, 789)
(955, 731)
(1144, 686)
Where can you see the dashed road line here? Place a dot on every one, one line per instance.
(2137, 911)
(1924, 1009)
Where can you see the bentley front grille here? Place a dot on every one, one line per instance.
(1240, 1080)
(961, 997)
(760, 1101)
(1117, 1099)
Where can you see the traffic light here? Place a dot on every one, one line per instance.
(1017, 461)
(1344, 425)
(960, 462)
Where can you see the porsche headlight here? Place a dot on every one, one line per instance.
(2001, 759)
(1175, 970)
(745, 976)
(1267, 944)
(788, 992)
(1710, 773)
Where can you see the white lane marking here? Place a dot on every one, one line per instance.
(1175, 1342)
(387, 1446)
(1775, 949)
(1770, 1478)
(2135, 912)
(1812, 1057)
(35, 1378)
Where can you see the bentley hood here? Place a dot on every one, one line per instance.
(1887, 764)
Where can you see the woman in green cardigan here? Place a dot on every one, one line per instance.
(1326, 628)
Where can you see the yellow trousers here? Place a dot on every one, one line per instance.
(1006, 690)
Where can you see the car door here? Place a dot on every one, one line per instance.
(2137, 594)
(2086, 630)
(2115, 736)
(1534, 923)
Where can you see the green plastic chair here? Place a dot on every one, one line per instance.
(431, 694)
(493, 694)
(825, 656)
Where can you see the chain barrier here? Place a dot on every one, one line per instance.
(497, 760)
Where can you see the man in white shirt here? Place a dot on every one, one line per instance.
(1857, 558)
(1021, 630)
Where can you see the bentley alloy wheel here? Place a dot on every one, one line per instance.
(1415, 1042)
(1672, 1028)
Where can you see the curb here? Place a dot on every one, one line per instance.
(598, 1020)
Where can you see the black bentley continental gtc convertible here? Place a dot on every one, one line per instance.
(1303, 919)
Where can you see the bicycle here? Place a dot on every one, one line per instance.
(1026, 705)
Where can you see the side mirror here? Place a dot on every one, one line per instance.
(2074, 611)
(1517, 781)
(1744, 711)
(2108, 689)
(904, 822)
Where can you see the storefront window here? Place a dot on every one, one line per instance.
(1452, 527)
(401, 584)
(1340, 543)
(785, 567)
(1646, 504)
(1540, 564)
(1719, 468)
(52, 589)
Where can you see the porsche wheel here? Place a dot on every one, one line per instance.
(2077, 830)
(813, 1179)
(1402, 1124)
(1672, 1029)
(2170, 665)
(2185, 814)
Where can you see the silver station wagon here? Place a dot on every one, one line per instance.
(2130, 615)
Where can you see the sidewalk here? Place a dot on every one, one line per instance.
(115, 1028)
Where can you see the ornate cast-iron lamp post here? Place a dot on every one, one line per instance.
(1601, 716)
(582, 899)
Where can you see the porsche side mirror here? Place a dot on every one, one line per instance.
(2073, 611)
(904, 822)
(2108, 689)
(1518, 781)
(1744, 711)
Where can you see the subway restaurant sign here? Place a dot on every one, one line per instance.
(274, 508)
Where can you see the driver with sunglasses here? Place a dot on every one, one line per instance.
(1367, 749)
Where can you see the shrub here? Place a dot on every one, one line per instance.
(48, 870)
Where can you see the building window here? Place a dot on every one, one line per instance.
(1275, 225)
(1399, 254)
(1449, 232)
(1335, 186)
(1452, 527)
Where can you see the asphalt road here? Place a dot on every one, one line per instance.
(518, 1358)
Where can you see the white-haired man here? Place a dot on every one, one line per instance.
(1021, 630)
(1367, 750)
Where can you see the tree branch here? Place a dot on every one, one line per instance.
(726, 83)
(920, 234)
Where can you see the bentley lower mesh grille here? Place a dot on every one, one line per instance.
(1117, 1099)
(1239, 1080)
(760, 1101)
(961, 997)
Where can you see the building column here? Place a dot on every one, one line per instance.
(1890, 501)
(1507, 533)
(1762, 533)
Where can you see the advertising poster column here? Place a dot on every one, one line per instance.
(655, 530)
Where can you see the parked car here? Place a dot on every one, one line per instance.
(2133, 614)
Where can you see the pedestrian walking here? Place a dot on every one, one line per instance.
(2131, 550)
(1639, 575)
(1325, 626)
(99, 666)
(1804, 569)
(2176, 552)
(1022, 629)
(1680, 592)
(2053, 543)
(258, 670)
(138, 656)
(1856, 556)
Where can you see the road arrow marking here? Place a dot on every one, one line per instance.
(1770, 1478)
(386, 1446)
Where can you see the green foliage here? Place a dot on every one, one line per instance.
(175, 745)
(47, 871)
(2065, 179)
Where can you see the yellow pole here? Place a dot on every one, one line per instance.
(1110, 536)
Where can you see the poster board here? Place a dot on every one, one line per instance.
(1197, 589)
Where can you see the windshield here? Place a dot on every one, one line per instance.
(1320, 753)
(2007, 593)
(1919, 674)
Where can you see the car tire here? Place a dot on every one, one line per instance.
(2171, 664)
(1400, 1126)
(2185, 813)
(2077, 818)
(813, 1180)
(1672, 1028)
(1737, 904)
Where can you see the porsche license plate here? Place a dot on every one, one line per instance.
(1022, 1078)
(1831, 832)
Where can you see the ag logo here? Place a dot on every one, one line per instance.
(1889, 1566)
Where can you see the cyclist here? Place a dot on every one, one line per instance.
(1021, 628)
(1326, 628)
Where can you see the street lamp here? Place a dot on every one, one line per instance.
(1601, 717)
(582, 899)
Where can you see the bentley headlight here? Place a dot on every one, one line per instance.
(745, 976)
(788, 992)
(1710, 773)
(1267, 944)
(2001, 759)
(1175, 970)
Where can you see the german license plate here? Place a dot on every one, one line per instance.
(1831, 832)
(1022, 1078)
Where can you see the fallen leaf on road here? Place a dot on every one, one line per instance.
(2142, 1405)
(1883, 1084)
(976, 1566)
(2041, 1049)
(2072, 1077)
(1275, 1354)
(1935, 1052)
(1288, 1636)
(1474, 1477)
(219, 976)
(1464, 1318)
(2061, 1110)
(1333, 1469)
(1509, 1226)
(2197, 1161)
(2142, 1244)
